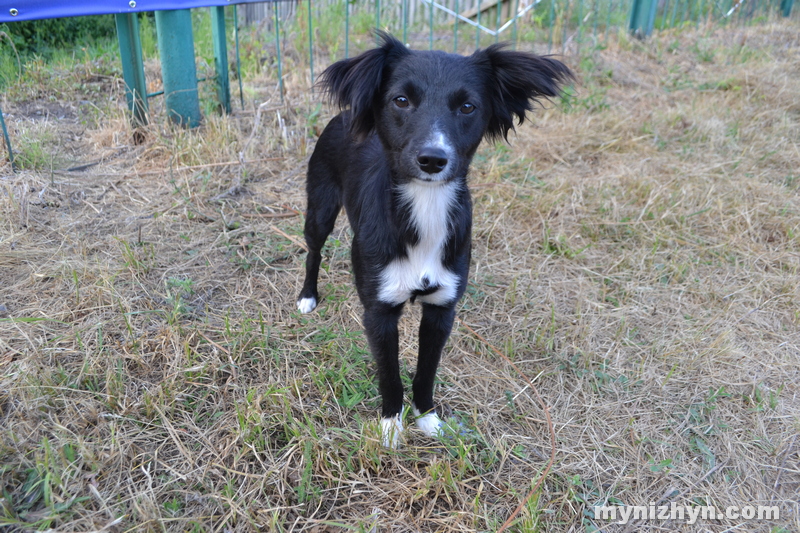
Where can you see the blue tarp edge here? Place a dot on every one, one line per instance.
(49, 9)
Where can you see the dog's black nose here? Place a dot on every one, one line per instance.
(432, 160)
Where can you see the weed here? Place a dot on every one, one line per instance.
(559, 246)
(178, 289)
(594, 100)
(704, 52)
(139, 258)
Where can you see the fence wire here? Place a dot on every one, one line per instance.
(545, 25)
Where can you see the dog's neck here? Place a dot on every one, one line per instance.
(430, 204)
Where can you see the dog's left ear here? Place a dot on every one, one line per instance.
(518, 80)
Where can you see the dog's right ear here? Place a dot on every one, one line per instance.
(356, 82)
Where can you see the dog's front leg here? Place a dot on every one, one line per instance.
(380, 325)
(434, 330)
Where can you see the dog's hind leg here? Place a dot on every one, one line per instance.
(324, 204)
(434, 330)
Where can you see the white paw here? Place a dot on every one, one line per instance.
(429, 423)
(306, 305)
(391, 430)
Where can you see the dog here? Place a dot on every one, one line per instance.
(397, 158)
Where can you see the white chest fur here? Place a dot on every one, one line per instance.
(430, 206)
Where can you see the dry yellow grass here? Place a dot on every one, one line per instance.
(636, 252)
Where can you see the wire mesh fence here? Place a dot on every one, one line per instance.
(323, 31)
(461, 24)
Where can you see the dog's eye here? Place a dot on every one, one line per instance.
(401, 101)
(467, 108)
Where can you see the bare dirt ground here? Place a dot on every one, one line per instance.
(636, 253)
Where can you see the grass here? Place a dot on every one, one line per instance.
(635, 252)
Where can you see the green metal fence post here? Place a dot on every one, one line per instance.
(699, 14)
(221, 57)
(430, 17)
(311, 45)
(580, 26)
(8, 142)
(455, 31)
(238, 56)
(478, 28)
(178, 70)
(786, 7)
(565, 24)
(130, 51)
(724, 13)
(498, 5)
(405, 21)
(643, 17)
(278, 49)
(674, 12)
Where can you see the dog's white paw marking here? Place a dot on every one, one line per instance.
(391, 430)
(306, 305)
(429, 423)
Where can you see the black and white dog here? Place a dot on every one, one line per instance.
(397, 160)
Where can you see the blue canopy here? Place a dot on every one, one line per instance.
(12, 10)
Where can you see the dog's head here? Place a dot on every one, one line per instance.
(431, 109)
